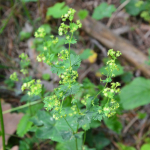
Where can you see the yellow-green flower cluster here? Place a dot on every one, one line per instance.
(33, 86)
(84, 100)
(14, 77)
(114, 54)
(63, 29)
(63, 54)
(69, 76)
(110, 92)
(40, 33)
(110, 108)
(24, 63)
(69, 15)
(52, 102)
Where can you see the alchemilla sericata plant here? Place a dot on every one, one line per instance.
(66, 65)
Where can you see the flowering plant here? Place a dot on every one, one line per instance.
(67, 119)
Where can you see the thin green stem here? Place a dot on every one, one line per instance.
(2, 127)
(69, 49)
(76, 144)
(23, 106)
(68, 124)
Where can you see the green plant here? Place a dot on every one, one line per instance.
(82, 14)
(57, 10)
(135, 94)
(99, 12)
(136, 7)
(67, 109)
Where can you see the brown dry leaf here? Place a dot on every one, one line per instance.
(11, 121)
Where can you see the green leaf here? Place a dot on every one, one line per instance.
(103, 10)
(95, 124)
(24, 35)
(86, 118)
(135, 94)
(57, 10)
(49, 128)
(114, 124)
(69, 145)
(46, 76)
(24, 125)
(132, 9)
(145, 147)
(116, 72)
(58, 69)
(127, 77)
(86, 54)
(124, 147)
(82, 14)
(141, 115)
(46, 27)
(75, 61)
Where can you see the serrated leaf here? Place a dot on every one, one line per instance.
(24, 125)
(58, 69)
(75, 61)
(103, 10)
(52, 129)
(57, 10)
(69, 91)
(135, 94)
(85, 119)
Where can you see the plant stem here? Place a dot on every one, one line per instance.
(76, 144)
(2, 127)
(69, 49)
(69, 125)
(23, 106)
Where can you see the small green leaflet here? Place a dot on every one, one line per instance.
(72, 41)
(57, 10)
(135, 94)
(103, 10)
(82, 14)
